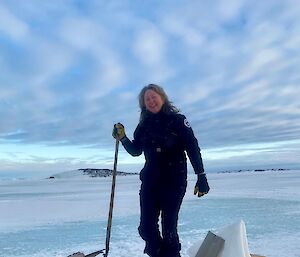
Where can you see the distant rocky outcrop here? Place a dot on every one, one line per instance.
(103, 172)
(90, 172)
(249, 170)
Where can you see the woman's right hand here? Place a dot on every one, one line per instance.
(118, 131)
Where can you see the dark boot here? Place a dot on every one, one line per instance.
(170, 248)
(153, 250)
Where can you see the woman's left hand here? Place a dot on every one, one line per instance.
(201, 187)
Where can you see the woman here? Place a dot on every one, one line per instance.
(164, 136)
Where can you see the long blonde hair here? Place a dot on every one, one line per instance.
(167, 107)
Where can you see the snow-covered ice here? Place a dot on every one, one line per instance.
(56, 217)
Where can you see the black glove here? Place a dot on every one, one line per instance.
(118, 131)
(201, 187)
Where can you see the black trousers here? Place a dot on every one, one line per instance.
(160, 201)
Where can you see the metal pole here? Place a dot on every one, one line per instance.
(112, 195)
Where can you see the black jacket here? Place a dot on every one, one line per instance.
(164, 138)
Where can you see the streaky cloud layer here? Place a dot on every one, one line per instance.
(70, 70)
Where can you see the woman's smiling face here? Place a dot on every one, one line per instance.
(153, 101)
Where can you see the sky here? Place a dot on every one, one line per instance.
(70, 69)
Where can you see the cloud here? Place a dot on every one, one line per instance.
(11, 25)
(262, 60)
(81, 33)
(149, 45)
(150, 49)
(88, 38)
(253, 156)
(14, 135)
(181, 30)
